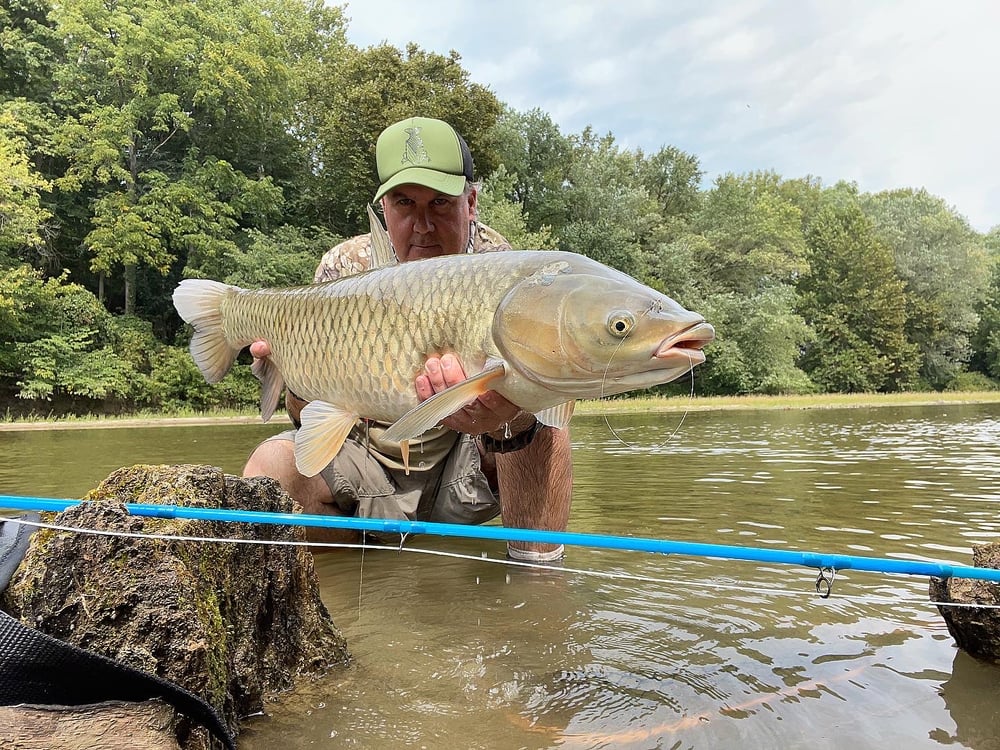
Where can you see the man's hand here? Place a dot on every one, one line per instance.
(491, 412)
(260, 349)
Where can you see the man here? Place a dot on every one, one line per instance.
(490, 447)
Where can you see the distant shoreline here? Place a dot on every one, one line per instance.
(610, 406)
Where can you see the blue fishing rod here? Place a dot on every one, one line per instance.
(822, 562)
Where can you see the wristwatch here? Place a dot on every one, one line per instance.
(511, 444)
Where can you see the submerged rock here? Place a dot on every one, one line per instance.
(230, 622)
(976, 630)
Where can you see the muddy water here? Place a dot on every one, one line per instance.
(633, 650)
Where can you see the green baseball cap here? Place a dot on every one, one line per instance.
(422, 151)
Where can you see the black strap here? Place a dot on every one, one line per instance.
(37, 668)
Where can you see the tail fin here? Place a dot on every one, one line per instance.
(198, 302)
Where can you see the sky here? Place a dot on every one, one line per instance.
(902, 94)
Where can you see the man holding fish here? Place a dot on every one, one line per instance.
(436, 379)
(488, 447)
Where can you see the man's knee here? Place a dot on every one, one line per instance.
(276, 459)
(272, 458)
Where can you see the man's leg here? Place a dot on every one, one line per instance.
(536, 489)
(275, 458)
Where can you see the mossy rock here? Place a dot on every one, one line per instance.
(976, 629)
(230, 622)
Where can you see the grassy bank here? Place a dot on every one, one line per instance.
(608, 406)
(90, 421)
(815, 401)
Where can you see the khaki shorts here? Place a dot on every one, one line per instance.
(454, 491)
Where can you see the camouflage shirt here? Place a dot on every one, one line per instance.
(354, 255)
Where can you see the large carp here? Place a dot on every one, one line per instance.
(542, 328)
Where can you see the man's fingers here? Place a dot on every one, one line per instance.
(260, 349)
(452, 371)
(424, 388)
(433, 374)
(442, 372)
(486, 414)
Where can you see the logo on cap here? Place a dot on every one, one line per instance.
(414, 151)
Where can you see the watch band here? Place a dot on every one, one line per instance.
(511, 444)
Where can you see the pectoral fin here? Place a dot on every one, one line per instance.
(557, 416)
(271, 384)
(442, 405)
(324, 429)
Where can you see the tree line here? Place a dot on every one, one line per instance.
(143, 142)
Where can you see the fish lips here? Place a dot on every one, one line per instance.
(687, 344)
(675, 355)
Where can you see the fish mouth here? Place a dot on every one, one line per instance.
(687, 343)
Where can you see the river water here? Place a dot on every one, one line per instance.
(633, 650)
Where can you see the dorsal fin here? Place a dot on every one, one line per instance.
(383, 255)
(271, 384)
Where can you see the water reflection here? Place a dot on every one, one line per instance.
(657, 651)
(970, 695)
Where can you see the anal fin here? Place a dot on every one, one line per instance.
(271, 383)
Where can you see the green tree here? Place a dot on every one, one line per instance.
(284, 256)
(609, 214)
(507, 217)
(758, 343)
(536, 155)
(944, 265)
(28, 47)
(180, 108)
(22, 214)
(754, 233)
(176, 384)
(986, 341)
(56, 340)
(672, 178)
(675, 269)
(992, 242)
(855, 302)
(986, 344)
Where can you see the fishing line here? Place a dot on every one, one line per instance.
(361, 571)
(687, 408)
(741, 588)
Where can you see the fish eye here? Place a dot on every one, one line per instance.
(620, 323)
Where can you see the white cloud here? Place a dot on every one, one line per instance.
(888, 95)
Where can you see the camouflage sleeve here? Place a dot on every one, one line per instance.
(346, 259)
(354, 255)
(488, 240)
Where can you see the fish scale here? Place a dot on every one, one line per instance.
(329, 340)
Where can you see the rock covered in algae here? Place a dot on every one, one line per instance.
(230, 622)
(976, 629)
